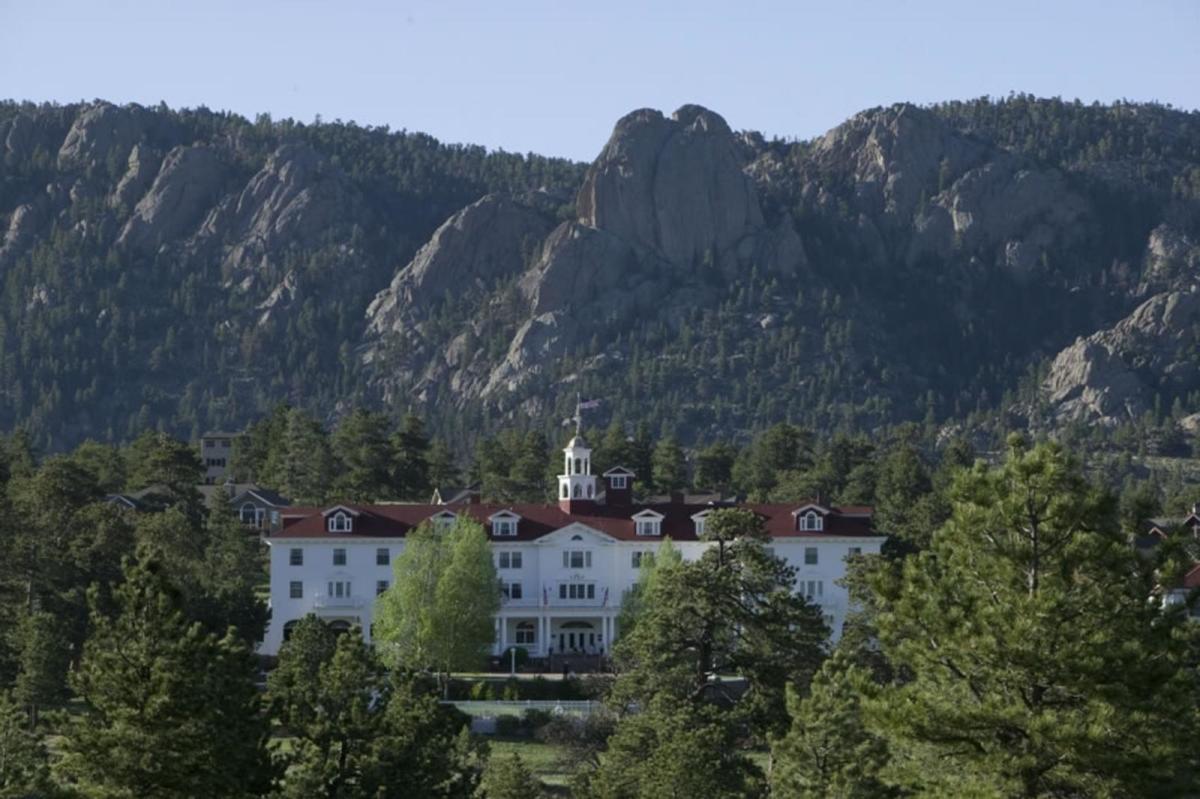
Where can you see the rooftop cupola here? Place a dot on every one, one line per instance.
(576, 484)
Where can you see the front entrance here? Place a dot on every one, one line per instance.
(577, 636)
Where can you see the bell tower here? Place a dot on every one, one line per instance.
(577, 484)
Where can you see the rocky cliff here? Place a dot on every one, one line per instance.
(190, 269)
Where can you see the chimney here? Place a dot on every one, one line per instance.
(677, 497)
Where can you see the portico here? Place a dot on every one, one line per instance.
(545, 634)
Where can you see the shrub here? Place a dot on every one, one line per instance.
(536, 718)
(508, 726)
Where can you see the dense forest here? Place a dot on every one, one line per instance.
(1008, 605)
(188, 270)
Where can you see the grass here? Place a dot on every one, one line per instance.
(542, 759)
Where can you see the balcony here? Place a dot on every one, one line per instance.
(325, 602)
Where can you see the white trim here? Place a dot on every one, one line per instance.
(335, 508)
(821, 509)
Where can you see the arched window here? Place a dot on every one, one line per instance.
(288, 628)
(578, 466)
(247, 513)
(578, 491)
(566, 492)
(812, 521)
(340, 522)
(591, 491)
(339, 626)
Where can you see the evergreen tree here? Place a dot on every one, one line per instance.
(652, 565)
(509, 778)
(443, 471)
(640, 452)
(304, 466)
(828, 753)
(361, 447)
(44, 650)
(669, 466)
(24, 766)
(732, 611)
(669, 751)
(410, 464)
(171, 711)
(1033, 658)
(714, 467)
(169, 466)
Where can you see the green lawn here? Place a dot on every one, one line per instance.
(542, 759)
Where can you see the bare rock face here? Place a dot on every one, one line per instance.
(139, 174)
(488, 240)
(291, 202)
(1113, 375)
(100, 132)
(893, 157)
(189, 181)
(673, 186)
(1172, 259)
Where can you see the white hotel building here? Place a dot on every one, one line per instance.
(564, 567)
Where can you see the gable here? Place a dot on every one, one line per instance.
(566, 536)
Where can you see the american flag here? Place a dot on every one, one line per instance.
(545, 596)
(605, 602)
(587, 405)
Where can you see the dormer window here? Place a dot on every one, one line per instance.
(504, 524)
(812, 521)
(443, 521)
(619, 481)
(648, 523)
(699, 520)
(340, 522)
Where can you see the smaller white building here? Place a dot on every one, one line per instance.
(564, 568)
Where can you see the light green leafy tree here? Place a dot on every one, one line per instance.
(438, 612)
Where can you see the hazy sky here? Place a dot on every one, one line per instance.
(551, 76)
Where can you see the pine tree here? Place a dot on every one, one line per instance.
(670, 466)
(828, 753)
(361, 447)
(509, 778)
(24, 766)
(171, 711)
(305, 469)
(1032, 654)
(410, 464)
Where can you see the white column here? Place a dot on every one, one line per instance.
(503, 633)
(496, 635)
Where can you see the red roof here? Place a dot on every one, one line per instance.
(538, 520)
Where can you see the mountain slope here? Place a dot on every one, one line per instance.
(188, 269)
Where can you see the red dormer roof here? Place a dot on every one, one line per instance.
(538, 520)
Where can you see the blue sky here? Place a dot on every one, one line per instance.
(551, 76)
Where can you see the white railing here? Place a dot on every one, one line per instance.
(322, 601)
(580, 708)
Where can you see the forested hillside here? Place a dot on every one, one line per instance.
(973, 266)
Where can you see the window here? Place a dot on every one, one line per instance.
(208, 443)
(443, 521)
(642, 559)
(296, 589)
(649, 526)
(620, 481)
(566, 493)
(700, 525)
(296, 557)
(511, 590)
(504, 526)
(577, 559)
(812, 521)
(576, 590)
(380, 586)
(510, 560)
(855, 550)
(813, 589)
(526, 633)
(383, 556)
(810, 556)
(340, 522)
(577, 492)
(339, 589)
(339, 557)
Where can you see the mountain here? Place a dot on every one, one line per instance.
(1033, 261)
